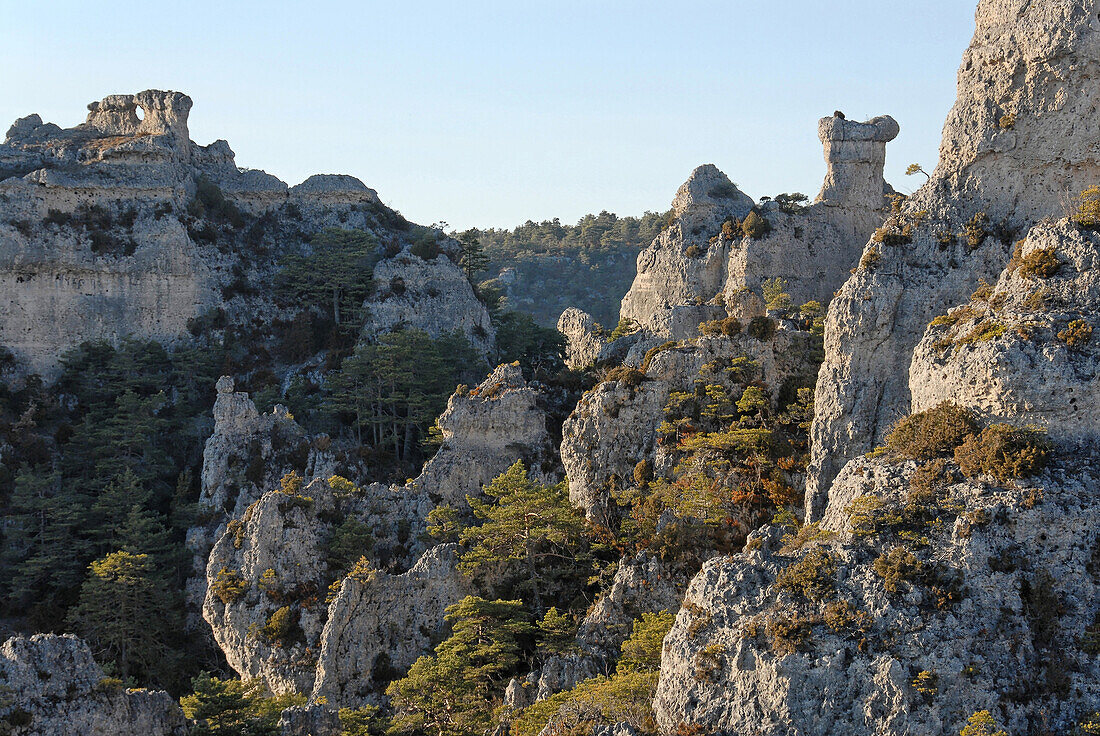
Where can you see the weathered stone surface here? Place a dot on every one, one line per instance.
(380, 624)
(278, 550)
(434, 296)
(694, 271)
(1013, 148)
(51, 686)
(309, 720)
(485, 430)
(1026, 371)
(1015, 139)
(583, 341)
(1010, 645)
(855, 154)
(614, 425)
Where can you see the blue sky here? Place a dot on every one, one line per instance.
(492, 113)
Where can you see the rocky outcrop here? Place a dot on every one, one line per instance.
(1014, 140)
(122, 226)
(615, 424)
(855, 154)
(1022, 349)
(485, 430)
(705, 267)
(51, 686)
(379, 624)
(670, 280)
(431, 295)
(1013, 149)
(278, 557)
(583, 340)
(246, 455)
(988, 615)
(276, 554)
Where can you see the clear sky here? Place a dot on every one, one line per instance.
(492, 113)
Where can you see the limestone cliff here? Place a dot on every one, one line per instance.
(51, 686)
(1014, 150)
(122, 226)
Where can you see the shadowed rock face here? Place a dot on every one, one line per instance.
(60, 690)
(1018, 143)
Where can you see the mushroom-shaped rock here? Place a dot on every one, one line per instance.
(855, 154)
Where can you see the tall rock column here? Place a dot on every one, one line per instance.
(855, 154)
(1019, 143)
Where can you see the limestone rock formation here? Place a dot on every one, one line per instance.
(704, 267)
(615, 424)
(276, 558)
(1023, 350)
(583, 342)
(122, 226)
(855, 154)
(379, 624)
(989, 617)
(1014, 140)
(274, 555)
(51, 686)
(433, 295)
(1013, 151)
(485, 430)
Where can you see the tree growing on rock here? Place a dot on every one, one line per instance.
(453, 691)
(529, 533)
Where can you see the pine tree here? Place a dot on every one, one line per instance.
(452, 692)
(122, 613)
(529, 530)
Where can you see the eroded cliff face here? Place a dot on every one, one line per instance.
(346, 628)
(51, 686)
(703, 266)
(100, 236)
(988, 617)
(1015, 148)
(615, 425)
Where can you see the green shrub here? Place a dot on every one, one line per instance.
(730, 326)
(982, 724)
(625, 327)
(210, 203)
(1004, 452)
(811, 578)
(775, 294)
(984, 331)
(229, 586)
(1087, 213)
(426, 248)
(976, 230)
(761, 328)
(1076, 334)
(788, 633)
(1007, 121)
(1040, 263)
(927, 683)
(898, 566)
(631, 377)
(844, 618)
(931, 433)
(754, 226)
(653, 352)
(282, 627)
